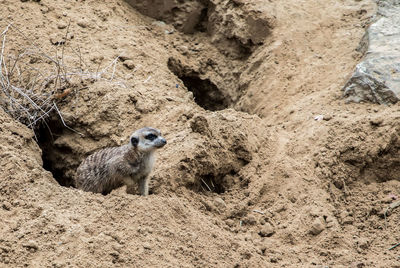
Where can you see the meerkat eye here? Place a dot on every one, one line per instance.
(150, 137)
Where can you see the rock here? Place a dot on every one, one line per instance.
(62, 25)
(146, 245)
(31, 245)
(183, 49)
(185, 16)
(330, 222)
(208, 205)
(376, 122)
(377, 77)
(267, 230)
(317, 226)
(280, 208)
(44, 9)
(348, 220)
(220, 203)
(250, 220)
(83, 23)
(363, 243)
(129, 64)
(6, 205)
(230, 222)
(159, 23)
(125, 57)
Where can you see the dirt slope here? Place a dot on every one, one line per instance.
(249, 178)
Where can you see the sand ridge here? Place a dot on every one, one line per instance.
(256, 180)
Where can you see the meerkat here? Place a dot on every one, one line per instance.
(128, 164)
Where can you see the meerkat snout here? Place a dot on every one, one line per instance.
(113, 167)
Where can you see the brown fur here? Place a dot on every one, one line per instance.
(113, 167)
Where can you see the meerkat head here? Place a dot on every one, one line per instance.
(147, 139)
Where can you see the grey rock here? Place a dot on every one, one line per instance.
(220, 203)
(377, 78)
(317, 226)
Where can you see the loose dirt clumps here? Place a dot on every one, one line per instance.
(235, 27)
(265, 165)
(217, 171)
(369, 155)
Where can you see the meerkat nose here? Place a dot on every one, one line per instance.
(164, 141)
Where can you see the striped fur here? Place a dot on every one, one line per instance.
(113, 167)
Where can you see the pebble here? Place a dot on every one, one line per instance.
(159, 23)
(317, 226)
(56, 39)
(281, 208)
(125, 57)
(83, 23)
(6, 205)
(62, 25)
(267, 230)
(251, 220)
(330, 222)
(146, 245)
(129, 64)
(230, 222)
(31, 245)
(220, 203)
(376, 122)
(348, 220)
(183, 49)
(44, 9)
(363, 243)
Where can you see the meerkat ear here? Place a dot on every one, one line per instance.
(134, 141)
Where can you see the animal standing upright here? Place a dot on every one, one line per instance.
(128, 164)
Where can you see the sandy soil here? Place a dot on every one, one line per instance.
(249, 178)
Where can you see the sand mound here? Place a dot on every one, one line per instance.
(265, 165)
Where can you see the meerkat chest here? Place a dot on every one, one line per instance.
(146, 165)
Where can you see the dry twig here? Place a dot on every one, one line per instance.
(206, 185)
(30, 92)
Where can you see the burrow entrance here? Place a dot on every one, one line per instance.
(219, 183)
(206, 94)
(218, 180)
(60, 160)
